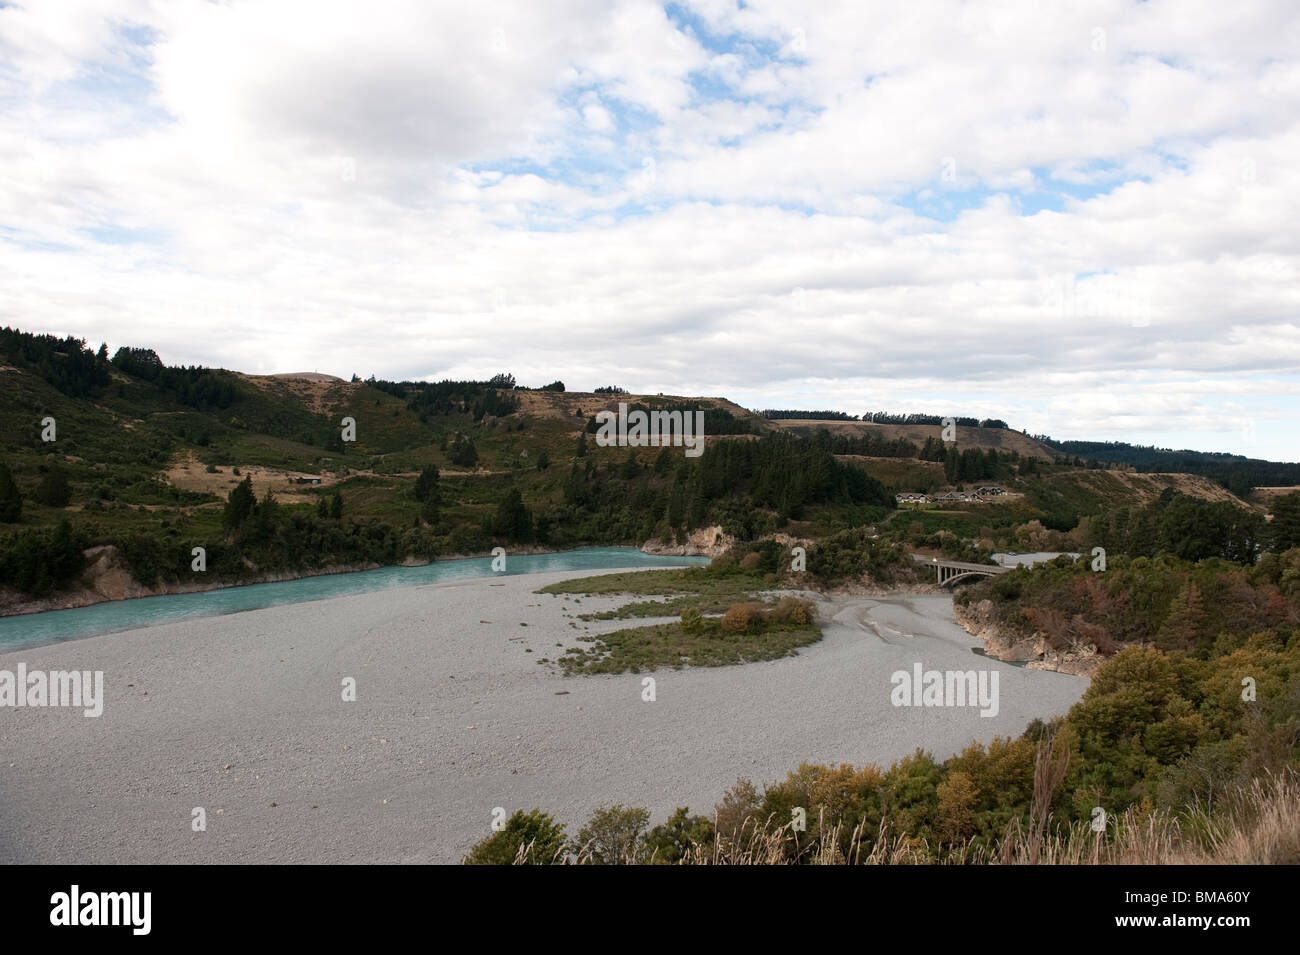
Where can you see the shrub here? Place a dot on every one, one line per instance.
(529, 838)
(792, 610)
(614, 835)
(669, 843)
(739, 618)
(692, 620)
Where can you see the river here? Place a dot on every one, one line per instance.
(36, 629)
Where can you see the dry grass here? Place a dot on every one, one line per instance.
(1259, 825)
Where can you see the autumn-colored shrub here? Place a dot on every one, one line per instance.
(739, 618)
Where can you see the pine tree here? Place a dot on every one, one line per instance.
(1285, 526)
(239, 504)
(426, 485)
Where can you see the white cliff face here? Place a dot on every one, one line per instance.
(704, 542)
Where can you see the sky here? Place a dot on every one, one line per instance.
(1078, 217)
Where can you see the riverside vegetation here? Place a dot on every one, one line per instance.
(721, 620)
(457, 467)
(1188, 739)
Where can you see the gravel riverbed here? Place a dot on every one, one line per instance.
(243, 716)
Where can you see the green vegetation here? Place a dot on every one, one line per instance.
(1185, 527)
(1162, 741)
(719, 580)
(747, 632)
(1238, 474)
(741, 628)
(121, 423)
(528, 838)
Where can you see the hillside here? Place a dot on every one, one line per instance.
(1002, 439)
(149, 461)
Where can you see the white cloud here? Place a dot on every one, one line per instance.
(571, 191)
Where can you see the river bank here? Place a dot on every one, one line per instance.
(1034, 652)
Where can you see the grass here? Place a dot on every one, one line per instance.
(672, 607)
(771, 633)
(669, 645)
(1257, 825)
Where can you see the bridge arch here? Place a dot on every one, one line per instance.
(952, 571)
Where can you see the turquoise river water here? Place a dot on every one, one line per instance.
(34, 629)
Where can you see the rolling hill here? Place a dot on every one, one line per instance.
(147, 461)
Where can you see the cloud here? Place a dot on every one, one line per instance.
(991, 208)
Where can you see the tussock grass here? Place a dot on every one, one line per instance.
(1258, 824)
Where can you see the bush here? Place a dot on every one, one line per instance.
(739, 618)
(669, 843)
(692, 620)
(37, 561)
(792, 610)
(529, 838)
(462, 452)
(614, 835)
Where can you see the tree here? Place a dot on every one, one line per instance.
(11, 502)
(1182, 628)
(427, 492)
(336, 505)
(528, 838)
(955, 817)
(669, 843)
(262, 526)
(543, 461)
(1285, 526)
(426, 485)
(581, 451)
(614, 835)
(239, 504)
(951, 465)
(513, 520)
(53, 490)
(631, 466)
(461, 451)
(65, 553)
